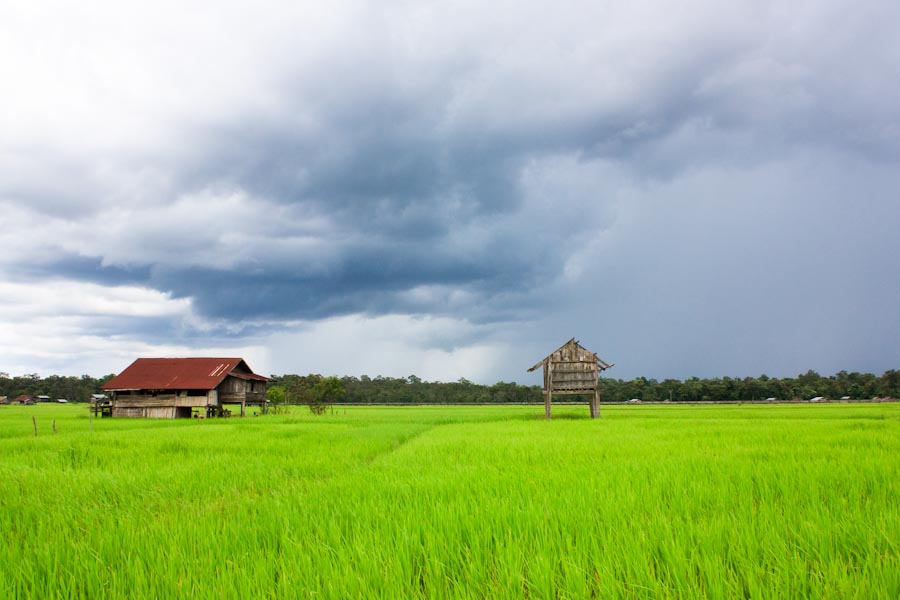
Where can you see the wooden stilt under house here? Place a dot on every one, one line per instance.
(572, 369)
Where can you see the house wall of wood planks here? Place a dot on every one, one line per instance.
(170, 405)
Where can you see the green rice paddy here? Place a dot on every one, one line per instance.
(454, 502)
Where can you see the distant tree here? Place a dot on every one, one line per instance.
(325, 392)
(299, 390)
(277, 399)
(889, 383)
(693, 388)
(670, 390)
(276, 395)
(809, 385)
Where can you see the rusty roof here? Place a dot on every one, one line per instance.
(180, 374)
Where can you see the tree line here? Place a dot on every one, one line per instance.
(304, 389)
(71, 388)
(299, 389)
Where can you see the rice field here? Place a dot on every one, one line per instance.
(454, 502)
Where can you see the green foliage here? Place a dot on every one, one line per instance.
(314, 391)
(275, 395)
(299, 389)
(413, 390)
(73, 389)
(325, 392)
(277, 400)
(455, 502)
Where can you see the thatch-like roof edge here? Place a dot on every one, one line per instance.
(602, 364)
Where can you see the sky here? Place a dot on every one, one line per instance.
(451, 189)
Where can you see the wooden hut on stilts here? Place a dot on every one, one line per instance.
(572, 369)
(171, 388)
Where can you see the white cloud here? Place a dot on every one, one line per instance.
(23, 301)
(216, 228)
(61, 327)
(433, 348)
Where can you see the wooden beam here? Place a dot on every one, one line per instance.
(595, 405)
(548, 396)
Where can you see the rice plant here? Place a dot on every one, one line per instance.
(454, 502)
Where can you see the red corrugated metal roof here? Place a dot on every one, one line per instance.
(180, 374)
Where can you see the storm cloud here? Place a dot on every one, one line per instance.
(453, 189)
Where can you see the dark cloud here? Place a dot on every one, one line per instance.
(774, 271)
(150, 330)
(371, 277)
(81, 268)
(672, 175)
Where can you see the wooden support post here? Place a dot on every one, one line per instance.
(595, 403)
(548, 397)
(242, 407)
(34, 422)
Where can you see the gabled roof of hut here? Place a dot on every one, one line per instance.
(180, 374)
(573, 351)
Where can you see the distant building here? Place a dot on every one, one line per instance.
(24, 399)
(168, 388)
(43, 398)
(4, 400)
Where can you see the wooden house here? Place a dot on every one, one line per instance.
(572, 369)
(168, 388)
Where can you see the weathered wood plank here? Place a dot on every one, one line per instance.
(569, 370)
